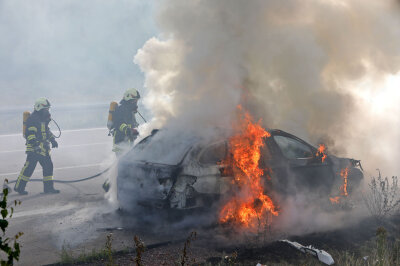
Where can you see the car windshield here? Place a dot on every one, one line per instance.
(162, 148)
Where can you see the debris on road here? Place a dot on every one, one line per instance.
(322, 255)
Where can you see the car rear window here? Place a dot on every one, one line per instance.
(162, 148)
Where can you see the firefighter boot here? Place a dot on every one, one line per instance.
(20, 187)
(49, 187)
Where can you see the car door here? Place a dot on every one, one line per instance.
(208, 170)
(295, 164)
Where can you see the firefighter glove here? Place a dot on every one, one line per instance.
(54, 143)
(134, 132)
(131, 133)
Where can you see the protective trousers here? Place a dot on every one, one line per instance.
(31, 161)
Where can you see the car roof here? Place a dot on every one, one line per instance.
(204, 142)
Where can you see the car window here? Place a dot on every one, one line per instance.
(293, 149)
(213, 153)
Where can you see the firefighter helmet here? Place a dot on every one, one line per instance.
(131, 94)
(41, 103)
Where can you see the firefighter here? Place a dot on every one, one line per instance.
(124, 121)
(38, 139)
(123, 124)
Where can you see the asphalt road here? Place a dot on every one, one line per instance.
(81, 216)
(76, 217)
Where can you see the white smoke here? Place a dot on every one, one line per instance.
(302, 66)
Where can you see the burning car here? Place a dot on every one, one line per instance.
(176, 172)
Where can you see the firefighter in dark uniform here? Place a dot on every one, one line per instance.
(38, 139)
(124, 125)
(124, 122)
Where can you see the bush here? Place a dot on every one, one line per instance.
(9, 246)
(383, 197)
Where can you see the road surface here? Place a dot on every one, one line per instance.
(80, 217)
(74, 217)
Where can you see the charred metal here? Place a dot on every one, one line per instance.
(197, 179)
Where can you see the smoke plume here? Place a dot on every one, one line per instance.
(323, 70)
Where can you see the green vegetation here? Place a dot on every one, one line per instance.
(185, 260)
(382, 200)
(383, 197)
(67, 257)
(8, 246)
(378, 251)
(104, 255)
(140, 249)
(108, 249)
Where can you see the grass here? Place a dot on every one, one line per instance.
(67, 257)
(382, 200)
(94, 256)
(378, 251)
(382, 250)
(105, 255)
(343, 258)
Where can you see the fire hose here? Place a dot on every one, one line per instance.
(62, 181)
(65, 181)
(59, 130)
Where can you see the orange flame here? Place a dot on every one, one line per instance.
(249, 205)
(321, 152)
(343, 188)
(344, 173)
(334, 200)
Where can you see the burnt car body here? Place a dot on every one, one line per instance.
(187, 174)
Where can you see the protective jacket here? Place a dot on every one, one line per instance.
(38, 139)
(38, 134)
(124, 123)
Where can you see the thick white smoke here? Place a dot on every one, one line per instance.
(313, 68)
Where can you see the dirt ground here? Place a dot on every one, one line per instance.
(208, 249)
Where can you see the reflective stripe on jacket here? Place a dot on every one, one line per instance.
(38, 134)
(123, 120)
